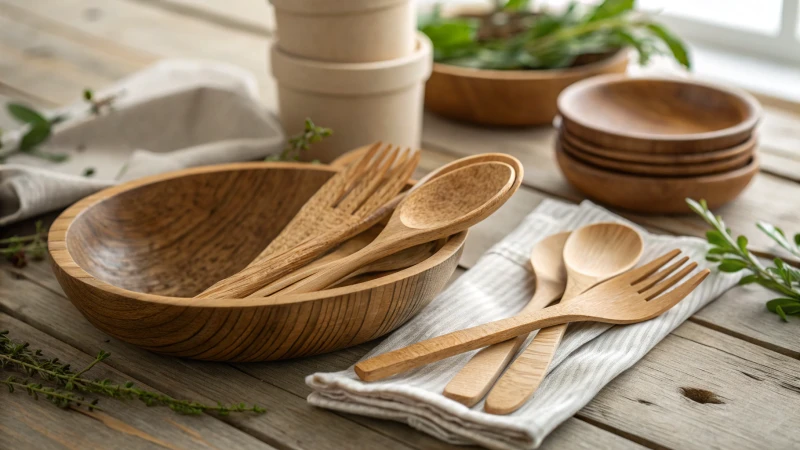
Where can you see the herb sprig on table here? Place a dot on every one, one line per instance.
(17, 249)
(513, 38)
(732, 255)
(301, 142)
(66, 387)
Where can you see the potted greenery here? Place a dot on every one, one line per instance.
(507, 66)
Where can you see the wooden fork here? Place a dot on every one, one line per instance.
(349, 203)
(634, 296)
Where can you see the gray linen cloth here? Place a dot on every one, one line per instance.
(498, 286)
(172, 115)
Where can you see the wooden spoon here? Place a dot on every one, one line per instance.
(473, 381)
(634, 296)
(446, 205)
(592, 254)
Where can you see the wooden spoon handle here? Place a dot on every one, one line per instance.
(475, 379)
(451, 344)
(525, 374)
(335, 272)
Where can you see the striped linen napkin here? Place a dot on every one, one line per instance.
(498, 286)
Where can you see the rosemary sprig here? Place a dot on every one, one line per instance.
(301, 142)
(17, 249)
(732, 255)
(19, 357)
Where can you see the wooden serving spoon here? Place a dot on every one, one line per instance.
(634, 296)
(473, 381)
(441, 207)
(592, 254)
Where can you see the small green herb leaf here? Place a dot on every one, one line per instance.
(25, 114)
(611, 8)
(732, 265)
(38, 133)
(675, 45)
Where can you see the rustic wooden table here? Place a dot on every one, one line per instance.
(744, 356)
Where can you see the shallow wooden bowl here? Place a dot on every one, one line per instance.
(662, 170)
(659, 195)
(745, 148)
(657, 115)
(131, 257)
(507, 97)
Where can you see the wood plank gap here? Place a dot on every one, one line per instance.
(744, 337)
(623, 434)
(204, 15)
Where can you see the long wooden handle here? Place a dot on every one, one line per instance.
(332, 273)
(474, 380)
(525, 374)
(451, 344)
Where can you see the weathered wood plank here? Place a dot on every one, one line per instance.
(25, 423)
(285, 425)
(255, 16)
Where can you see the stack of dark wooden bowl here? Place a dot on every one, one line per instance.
(646, 144)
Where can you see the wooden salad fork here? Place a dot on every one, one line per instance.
(631, 297)
(350, 202)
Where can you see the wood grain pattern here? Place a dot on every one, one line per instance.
(474, 380)
(649, 194)
(592, 254)
(441, 207)
(505, 97)
(655, 115)
(130, 257)
(617, 301)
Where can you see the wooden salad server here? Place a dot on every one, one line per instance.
(441, 207)
(474, 380)
(349, 203)
(592, 254)
(634, 296)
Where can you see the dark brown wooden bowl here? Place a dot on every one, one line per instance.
(507, 97)
(657, 115)
(657, 195)
(131, 258)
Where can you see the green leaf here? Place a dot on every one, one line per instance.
(797, 239)
(628, 39)
(779, 311)
(675, 45)
(38, 133)
(741, 241)
(88, 94)
(732, 265)
(516, 5)
(748, 279)
(714, 237)
(451, 38)
(25, 114)
(611, 8)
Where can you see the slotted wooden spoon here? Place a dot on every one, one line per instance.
(592, 254)
(634, 296)
(474, 380)
(446, 205)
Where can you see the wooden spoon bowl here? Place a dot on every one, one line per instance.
(657, 115)
(131, 257)
(657, 195)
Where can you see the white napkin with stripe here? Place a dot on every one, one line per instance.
(172, 115)
(498, 286)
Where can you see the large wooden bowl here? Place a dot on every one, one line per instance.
(657, 115)
(131, 258)
(658, 195)
(507, 97)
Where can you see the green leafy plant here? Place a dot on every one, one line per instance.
(301, 142)
(17, 249)
(513, 38)
(732, 255)
(67, 385)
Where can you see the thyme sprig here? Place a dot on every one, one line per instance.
(32, 363)
(301, 142)
(732, 255)
(17, 249)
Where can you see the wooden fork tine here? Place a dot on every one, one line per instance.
(393, 182)
(640, 273)
(672, 297)
(647, 283)
(368, 183)
(338, 184)
(669, 282)
(356, 171)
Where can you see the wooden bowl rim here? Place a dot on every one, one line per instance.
(712, 178)
(753, 108)
(58, 235)
(528, 75)
(688, 158)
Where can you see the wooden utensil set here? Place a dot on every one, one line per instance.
(590, 270)
(646, 144)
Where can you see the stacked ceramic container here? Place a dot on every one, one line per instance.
(356, 66)
(646, 144)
